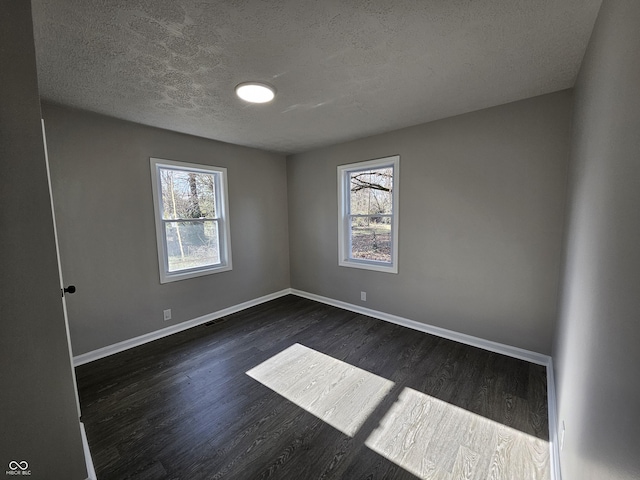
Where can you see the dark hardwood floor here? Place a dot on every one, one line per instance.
(296, 389)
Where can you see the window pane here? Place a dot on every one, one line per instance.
(371, 238)
(187, 194)
(192, 244)
(370, 191)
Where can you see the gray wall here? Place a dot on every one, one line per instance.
(597, 354)
(38, 416)
(482, 200)
(104, 208)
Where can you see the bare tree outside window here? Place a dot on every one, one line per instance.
(189, 215)
(370, 213)
(190, 203)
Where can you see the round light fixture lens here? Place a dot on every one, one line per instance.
(255, 92)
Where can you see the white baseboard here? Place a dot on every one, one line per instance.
(522, 354)
(91, 473)
(552, 411)
(496, 347)
(149, 337)
(515, 352)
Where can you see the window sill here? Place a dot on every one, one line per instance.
(177, 276)
(364, 265)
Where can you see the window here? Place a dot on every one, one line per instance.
(192, 224)
(368, 219)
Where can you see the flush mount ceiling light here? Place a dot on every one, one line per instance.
(255, 92)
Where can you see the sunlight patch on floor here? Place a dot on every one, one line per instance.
(427, 437)
(334, 391)
(433, 439)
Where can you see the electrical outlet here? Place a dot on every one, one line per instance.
(562, 436)
(363, 296)
(167, 314)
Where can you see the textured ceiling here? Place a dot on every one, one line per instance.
(343, 69)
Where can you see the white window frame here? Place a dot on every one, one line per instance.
(344, 215)
(222, 219)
